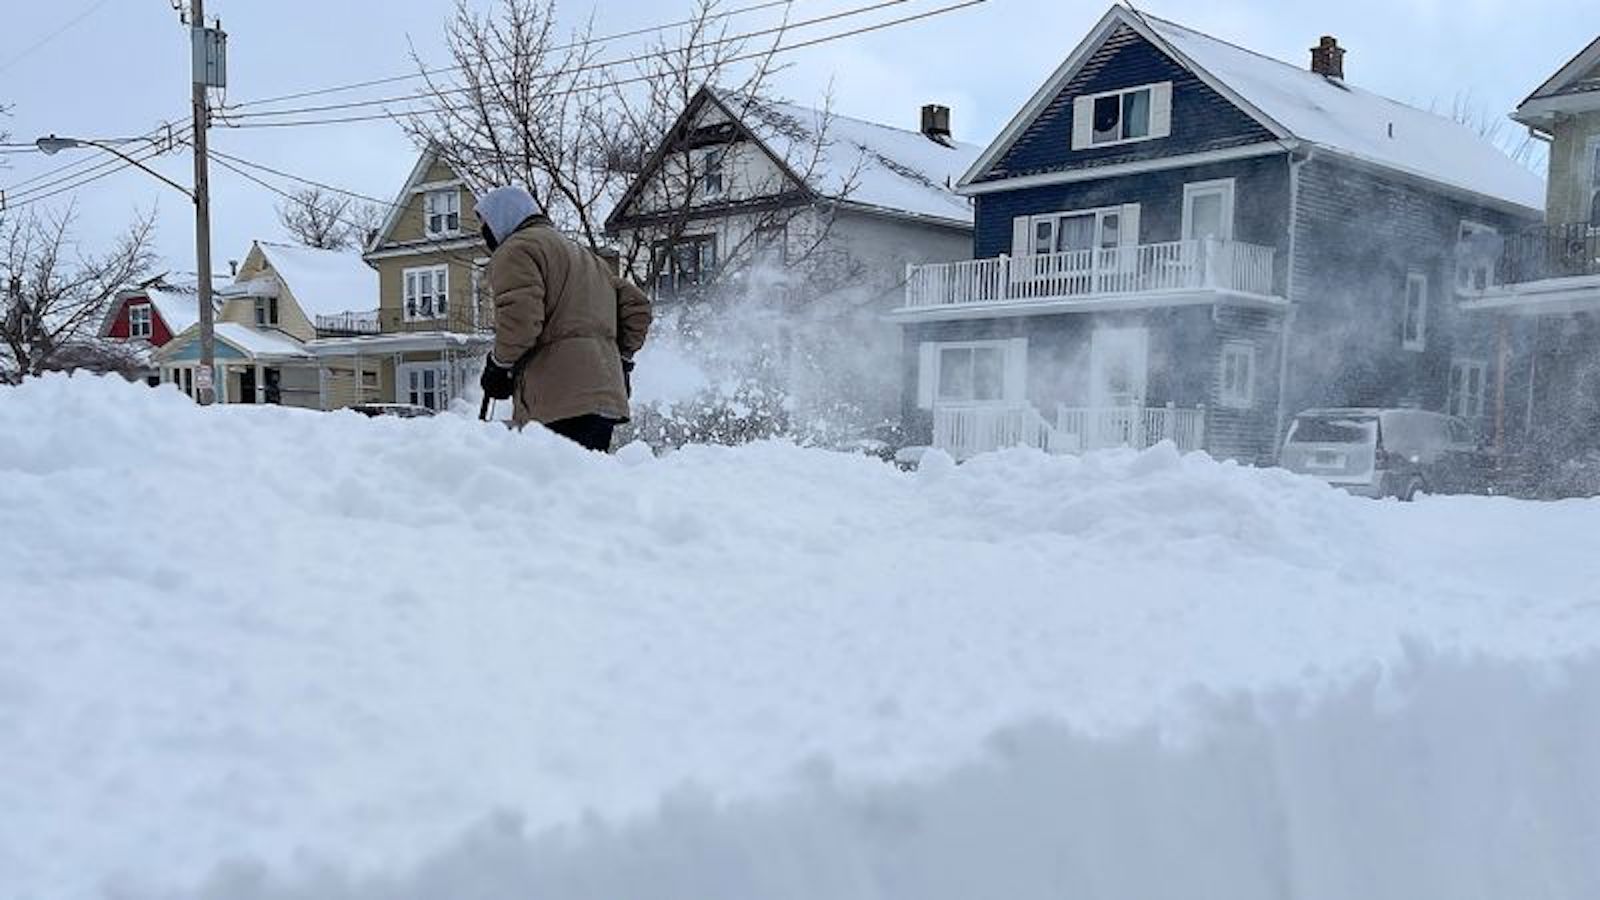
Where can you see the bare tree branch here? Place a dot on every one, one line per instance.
(51, 306)
(317, 218)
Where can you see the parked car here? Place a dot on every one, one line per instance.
(1388, 452)
(398, 410)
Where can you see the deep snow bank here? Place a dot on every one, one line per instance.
(303, 639)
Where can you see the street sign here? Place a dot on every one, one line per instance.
(202, 378)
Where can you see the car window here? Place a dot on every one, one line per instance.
(1409, 433)
(1333, 429)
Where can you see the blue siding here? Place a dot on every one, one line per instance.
(220, 349)
(1261, 198)
(1202, 119)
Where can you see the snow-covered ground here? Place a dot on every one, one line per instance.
(264, 653)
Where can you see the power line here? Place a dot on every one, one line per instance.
(116, 165)
(788, 48)
(303, 180)
(392, 79)
(29, 50)
(86, 164)
(596, 66)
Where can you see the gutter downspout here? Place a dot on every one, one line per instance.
(1289, 292)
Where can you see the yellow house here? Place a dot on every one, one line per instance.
(434, 322)
(273, 330)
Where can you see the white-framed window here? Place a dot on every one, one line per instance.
(1414, 321)
(1238, 389)
(972, 373)
(423, 384)
(1122, 116)
(266, 311)
(712, 173)
(685, 264)
(442, 211)
(427, 293)
(1475, 256)
(1468, 384)
(141, 320)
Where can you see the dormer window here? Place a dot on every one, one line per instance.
(442, 210)
(1122, 116)
(140, 320)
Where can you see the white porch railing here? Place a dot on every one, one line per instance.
(1099, 428)
(1176, 265)
(965, 431)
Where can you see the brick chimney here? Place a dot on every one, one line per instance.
(1327, 58)
(936, 123)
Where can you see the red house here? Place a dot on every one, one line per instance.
(153, 313)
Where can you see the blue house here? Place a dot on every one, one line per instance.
(1177, 238)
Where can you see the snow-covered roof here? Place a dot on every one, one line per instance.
(1355, 122)
(324, 282)
(175, 296)
(865, 163)
(259, 341)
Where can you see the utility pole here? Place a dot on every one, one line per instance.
(209, 69)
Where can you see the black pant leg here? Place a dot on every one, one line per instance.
(591, 432)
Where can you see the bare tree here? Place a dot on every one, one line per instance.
(1466, 109)
(328, 221)
(54, 298)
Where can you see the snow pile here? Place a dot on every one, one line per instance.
(268, 653)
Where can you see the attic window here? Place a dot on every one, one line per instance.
(1122, 116)
(139, 320)
(442, 210)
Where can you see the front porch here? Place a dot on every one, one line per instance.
(1200, 271)
(964, 432)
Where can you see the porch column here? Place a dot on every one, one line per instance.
(261, 384)
(355, 390)
(1503, 352)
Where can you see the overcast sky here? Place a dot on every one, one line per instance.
(99, 68)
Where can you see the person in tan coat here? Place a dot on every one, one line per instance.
(566, 327)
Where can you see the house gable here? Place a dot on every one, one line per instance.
(404, 225)
(1581, 74)
(1119, 53)
(118, 325)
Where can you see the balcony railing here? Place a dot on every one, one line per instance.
(1553, 251)
(345, 324)
(965, 431)
(1172, 266)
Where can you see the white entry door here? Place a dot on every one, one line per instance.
(1119, 364)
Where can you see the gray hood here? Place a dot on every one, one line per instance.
(504, 208)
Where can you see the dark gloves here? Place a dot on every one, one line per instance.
(497, 381)
(627, 376)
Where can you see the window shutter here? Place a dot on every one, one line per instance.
(1129, 236)
(927, 364)
(1016, 370)
(1161, 110)
(1082, 122)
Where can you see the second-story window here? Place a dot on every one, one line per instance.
(140, 320)
(1475, 257)
(711, 177)
(266, 311)
(426, 293)
(442, 210)
(1122, 116)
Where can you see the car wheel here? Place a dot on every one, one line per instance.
(1412, 489)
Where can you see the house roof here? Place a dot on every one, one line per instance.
(1298, 105)
(1581, 74)
(175, 296)
(324, 282)
(867, 164)
(259, 341)
(861, 164)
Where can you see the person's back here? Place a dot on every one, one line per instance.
(563, 324)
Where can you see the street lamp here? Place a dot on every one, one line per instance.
(53, 144)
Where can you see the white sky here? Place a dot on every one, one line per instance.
(121, 67)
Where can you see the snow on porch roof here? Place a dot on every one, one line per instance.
(872, 165)
(324, 282)
(1357, 123)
